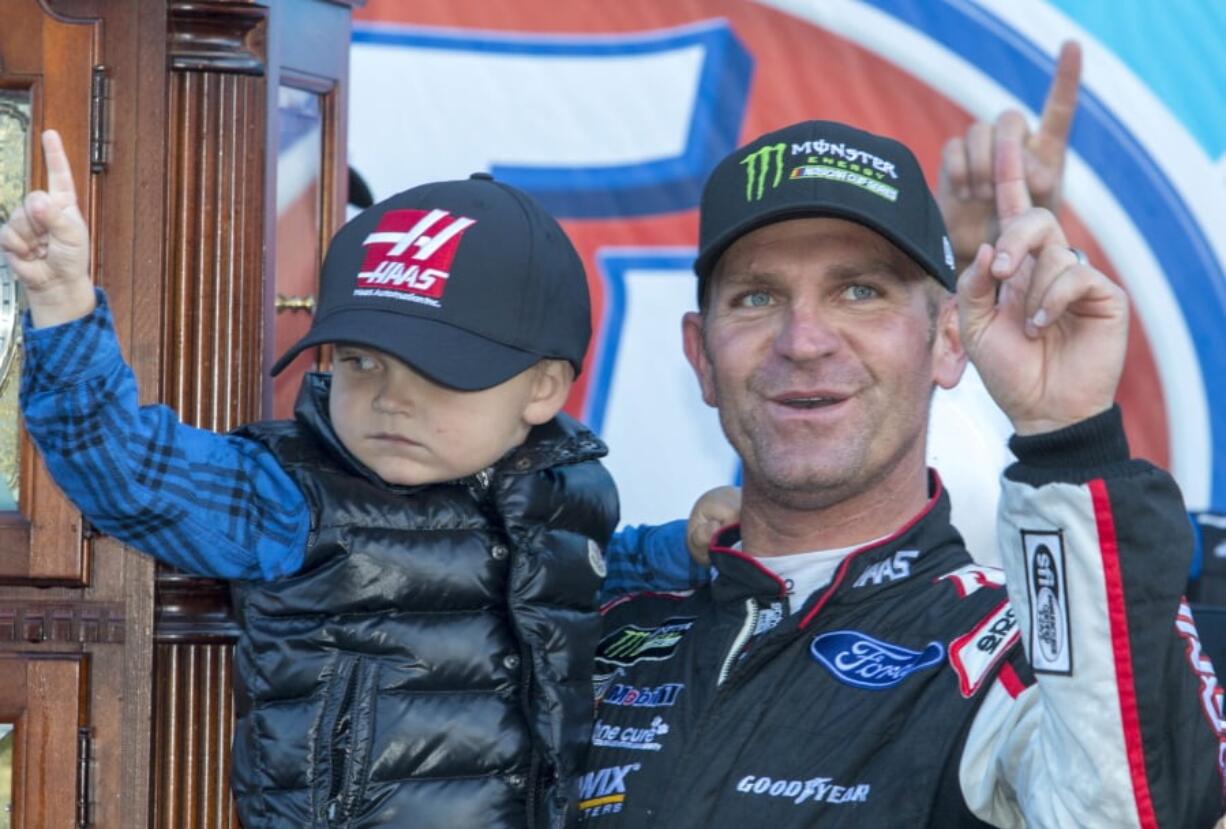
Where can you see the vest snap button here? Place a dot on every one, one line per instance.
(516, 781)
(511, 661)
(523, 463)
(499, 552)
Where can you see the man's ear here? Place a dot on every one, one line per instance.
(696, 353)
(948, 356)
(551, 382)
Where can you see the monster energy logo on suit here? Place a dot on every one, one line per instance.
(634, 643)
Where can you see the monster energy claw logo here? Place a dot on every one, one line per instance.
(758, 168)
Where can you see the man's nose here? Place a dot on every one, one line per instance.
(807, 333)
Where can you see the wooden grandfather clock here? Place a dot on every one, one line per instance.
(207, 138)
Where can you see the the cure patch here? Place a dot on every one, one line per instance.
(973, 654)
(858, 659)
(636, 643)
(408, 256)
(1051, 651)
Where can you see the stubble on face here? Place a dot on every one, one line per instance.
(797, 463)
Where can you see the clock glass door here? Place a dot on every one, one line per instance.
(14, 175)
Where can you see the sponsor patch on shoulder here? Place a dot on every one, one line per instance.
(973, 654)
(859, 660)
(635, 696)
(646, 738)
(1210, 690)
(603, 791)
(970, 577)
(637, 643)
(1051, 650)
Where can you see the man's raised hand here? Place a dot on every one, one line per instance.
(1046, 332)
(46, 243)
(966, 189)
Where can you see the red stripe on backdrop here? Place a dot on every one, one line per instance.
(1121, 650)
(800, 72)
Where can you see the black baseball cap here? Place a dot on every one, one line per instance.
(468, 282)
(823, 168)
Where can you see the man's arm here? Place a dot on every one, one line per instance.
(213, 505)
(1096, 548)
(1122, 724)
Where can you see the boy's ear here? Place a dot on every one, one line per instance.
(551, 382)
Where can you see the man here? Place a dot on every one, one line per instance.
(850, 665)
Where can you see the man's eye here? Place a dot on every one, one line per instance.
(859, 293)
(754, 299)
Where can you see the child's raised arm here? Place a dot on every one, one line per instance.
(215, 505)
(47, 244)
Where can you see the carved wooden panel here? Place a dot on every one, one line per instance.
(50, 621)
(215, 36)
(44, 697)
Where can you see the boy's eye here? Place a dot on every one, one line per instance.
(859, 293)
(357, 361)
(753, 299)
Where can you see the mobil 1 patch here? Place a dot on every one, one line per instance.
(1051, 646)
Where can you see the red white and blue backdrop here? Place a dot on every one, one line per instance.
(612, 113)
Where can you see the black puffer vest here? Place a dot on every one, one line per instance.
(431, 664)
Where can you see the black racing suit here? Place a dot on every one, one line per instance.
(902, 695)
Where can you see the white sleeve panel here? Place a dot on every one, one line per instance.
(1059, 754)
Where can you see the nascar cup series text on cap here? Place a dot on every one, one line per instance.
(823, 168)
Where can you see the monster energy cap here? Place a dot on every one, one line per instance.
(823, 168)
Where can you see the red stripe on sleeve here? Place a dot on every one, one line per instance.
(1121, 650)
(1011, 681)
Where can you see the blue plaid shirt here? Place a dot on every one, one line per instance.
(214, 505)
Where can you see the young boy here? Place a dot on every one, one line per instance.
(416, 556)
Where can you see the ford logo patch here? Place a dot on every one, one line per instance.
(860, 660)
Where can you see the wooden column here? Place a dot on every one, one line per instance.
(212, 344)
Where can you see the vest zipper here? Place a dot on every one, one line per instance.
(338, 749)
(532, 802)
(742, 637)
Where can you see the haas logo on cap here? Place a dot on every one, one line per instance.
(408, 256)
